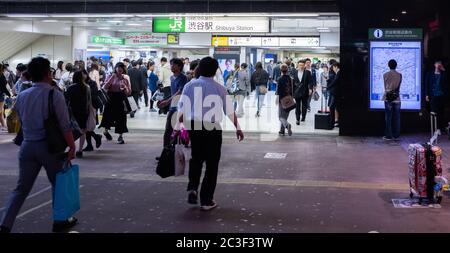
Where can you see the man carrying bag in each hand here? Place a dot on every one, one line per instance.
(32, 107)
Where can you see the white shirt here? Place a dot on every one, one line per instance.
(300, 75)
(186, 68)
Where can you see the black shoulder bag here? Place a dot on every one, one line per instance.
(393, 95)
(55, 137)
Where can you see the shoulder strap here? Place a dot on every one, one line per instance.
(50, 102)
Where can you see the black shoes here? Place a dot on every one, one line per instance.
(63, 226)
(298, 122)
(290, 130)
(79, 154)
(98, 140)
(120, 140)
(88, 148)
(193, 198)
(108, 136)
(132, 115)
(4, 230)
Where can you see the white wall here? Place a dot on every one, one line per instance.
(56, 48)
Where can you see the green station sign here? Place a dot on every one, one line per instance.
(395, 34)
(107, 40)
(169, 25)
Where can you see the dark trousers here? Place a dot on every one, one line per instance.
(438, 107)
(206, 148)
(169, 128)
(32, 157)
(136, 95)
(392, 119)
(301, 108)
(146, 97)
(89, 136)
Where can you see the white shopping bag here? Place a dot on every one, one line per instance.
(182, 157)
(133, 104)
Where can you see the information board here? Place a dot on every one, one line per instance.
(408, 55)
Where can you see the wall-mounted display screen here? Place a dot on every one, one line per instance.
(408, 55)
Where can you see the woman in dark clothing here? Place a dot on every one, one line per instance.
(3, 92)
(284, 89)
(78, 97)
(93, 118)
(115, 114)
(260, 79)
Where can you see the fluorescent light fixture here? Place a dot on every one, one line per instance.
(133, 24)
(27, 15)
(86, 15)
(114, 21)
(50, 21)
(404, 12)
(323, 28)
(104, 28)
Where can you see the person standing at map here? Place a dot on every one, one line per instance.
(436, 91)
(392, 101)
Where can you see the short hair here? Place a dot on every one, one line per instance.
(151, 63)
(126, 60)
(60, 65)
(94, 66)
(284, 68)
(438, 61)
(338, 65)
(207, 67)
(21, 67)
(164, 59)
(258, 65)
(134, 63)
(39, 67)
(244, 65)
(140, 61)
(302, 61)
(193, 65)
(69, 67)
(177, 61)
(307, 59)
(27, 75)
(392, 64)
(332, 61)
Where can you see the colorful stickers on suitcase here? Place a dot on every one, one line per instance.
(418, 168)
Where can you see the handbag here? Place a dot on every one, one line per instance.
(103, 97)
(166, 163)
(133, 105)
(263, 90)
(66, 198)
(13, 122)
(55, 138)
(316, 96)
(288, 102)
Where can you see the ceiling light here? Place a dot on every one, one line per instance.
(27, 16)
(133, 24)
(114, 21)
(104, 28)
(404, 12)
(50, 21)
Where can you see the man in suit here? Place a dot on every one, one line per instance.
(314, 79)
(137, 81)
(303, 87)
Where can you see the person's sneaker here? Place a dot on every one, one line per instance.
(98, 140)
(209, 207)
(298, 123)
(4, 230)
(120, 140)
(290, 130)
(193, 198)
(108, 136)
(153, 110)
(281, 133)
(88, 148)
(303, 120)
(387, 138)
(79, 154)
(63, 226)
(132, 115)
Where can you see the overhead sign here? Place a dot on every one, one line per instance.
(219, 41)
(244, 41)
(173, 39)
(299, 42)
(395, 34)
(227, 50)
(266, 41)
(206, 24)
(106, 40)
(145, 39)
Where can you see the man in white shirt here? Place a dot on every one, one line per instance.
(186, 65)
